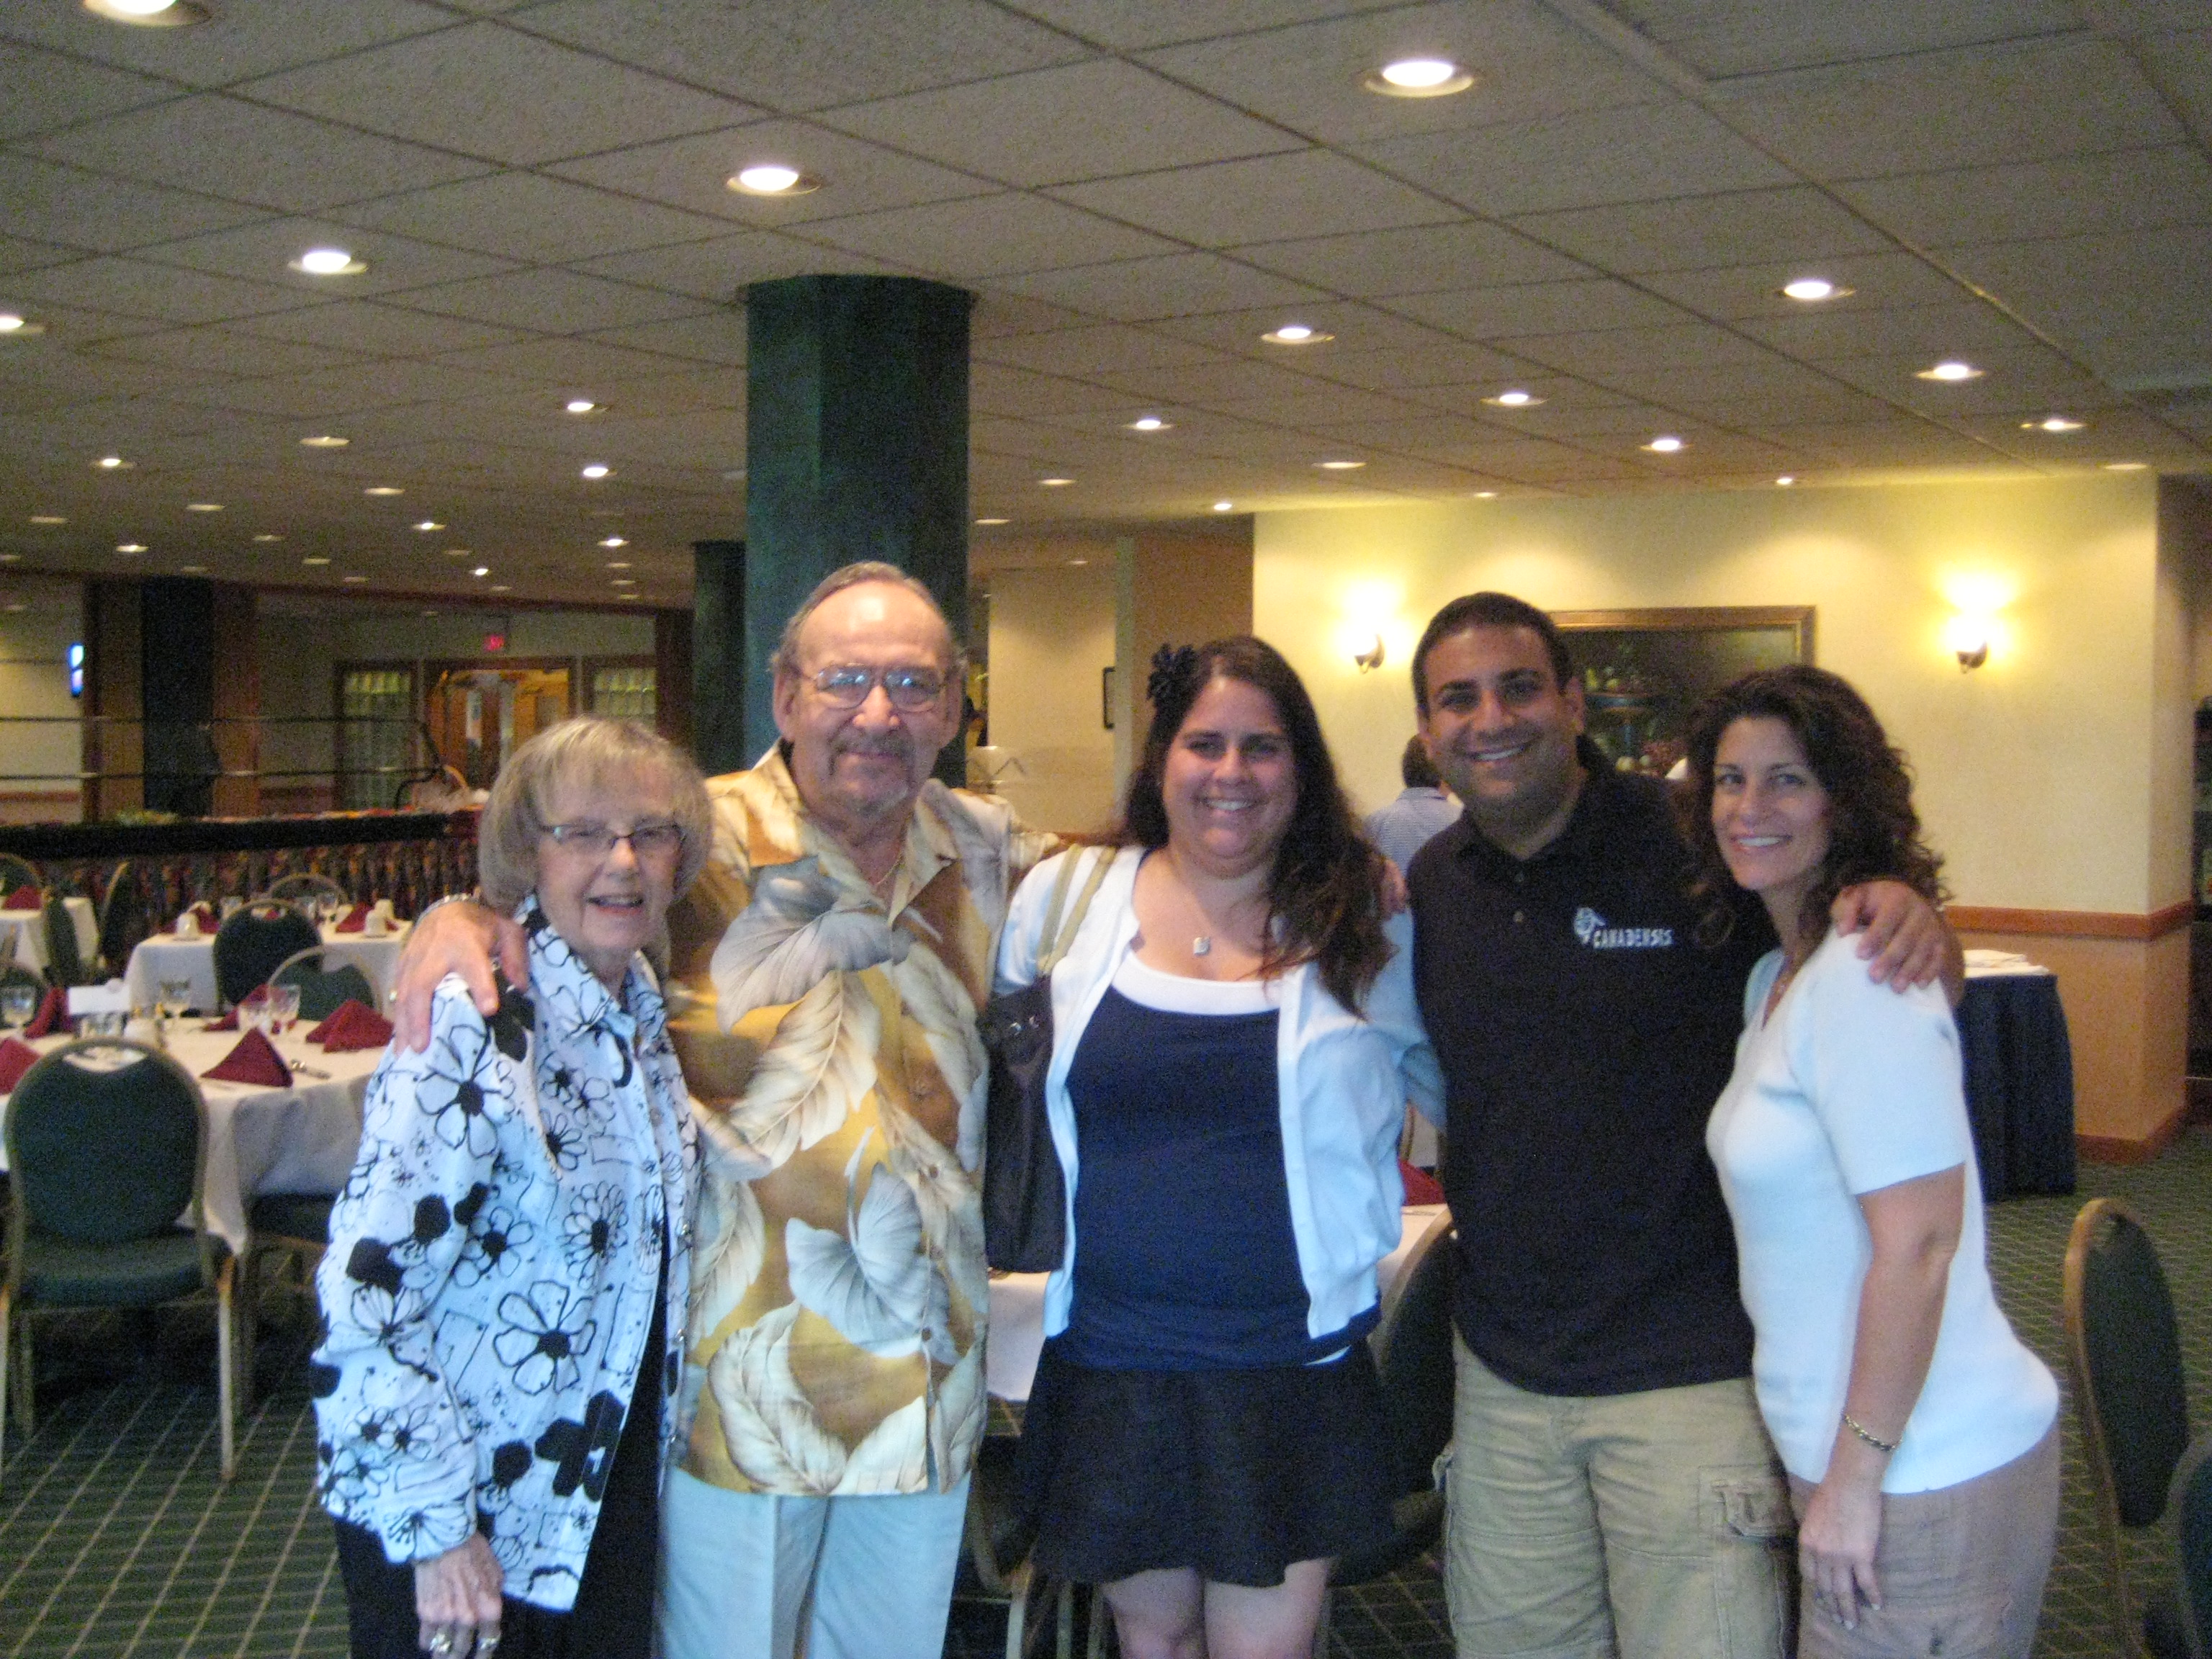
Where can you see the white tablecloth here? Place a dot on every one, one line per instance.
(29, 928)
(300, 1139)
(1016, 1335)
(165, 956)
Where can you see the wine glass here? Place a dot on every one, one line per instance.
(175, 997)
(17, 1004)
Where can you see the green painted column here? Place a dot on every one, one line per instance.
(718, 653)
(856, 447)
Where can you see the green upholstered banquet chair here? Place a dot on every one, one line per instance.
(254, 941)
(322, 991)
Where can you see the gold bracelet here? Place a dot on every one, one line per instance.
(1873, 1440)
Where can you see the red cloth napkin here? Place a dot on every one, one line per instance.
(205, 914)
(53, 1009)
(355, 920)
(15, 1059)
(353, 1025)
(255, 1060)
(228, 1023)
(1421, 1187)
(23, 898)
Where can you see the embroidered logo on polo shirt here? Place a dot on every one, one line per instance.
(1594, 932)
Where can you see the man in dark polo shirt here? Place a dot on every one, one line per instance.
(1613, 1491)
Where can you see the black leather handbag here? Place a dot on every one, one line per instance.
(1025, 1189)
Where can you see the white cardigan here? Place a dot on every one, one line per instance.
(1345, 1081)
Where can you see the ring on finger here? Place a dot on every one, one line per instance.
(441, 1642)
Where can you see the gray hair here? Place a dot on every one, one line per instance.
(786, 660)
(588, 751)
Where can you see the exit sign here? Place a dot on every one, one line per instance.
(495, 641)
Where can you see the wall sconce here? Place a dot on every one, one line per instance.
(1969, 639)
(1371, 658)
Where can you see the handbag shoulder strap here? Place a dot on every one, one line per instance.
(1060, 934)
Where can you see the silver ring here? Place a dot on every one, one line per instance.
(441, 1642)
(487, 1641)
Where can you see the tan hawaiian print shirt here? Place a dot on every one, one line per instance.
(838, 1292)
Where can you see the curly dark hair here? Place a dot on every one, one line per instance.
(1325, 898)
(1874, 834)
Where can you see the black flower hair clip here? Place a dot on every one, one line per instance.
(1174, 667)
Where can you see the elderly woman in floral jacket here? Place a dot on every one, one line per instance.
(491, 1392)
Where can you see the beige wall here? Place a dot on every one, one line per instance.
(1052, 633)
(2045, 777)
(35, 642)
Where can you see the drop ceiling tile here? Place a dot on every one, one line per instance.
(41, 90)
(597, 368)
(693, 172)
(1531, 460)
(1421, 259)
(1316, 406)
(2179, 64)
(1354, 327)
(1733, 39)
(220, 351)
(1959, 109)
(1538, 308)
(1559, 392)
(1426, 433)
(1568, 418)
(720, 269)
(2131, 303)
(75, 209)
(1140, 290)
(245, 38)
(790, 58)
(1883, 443)
(997, 390)
(2107, 434)
(987, 236)
(360, 386)
(1691, 232)
(1957, 328)
(1211, 383)
(1527, 62)
(483, 89)
(262, 252)
(375, 329)
(1602, 355)
(713, 336)
(1002, 316)
(16, 254)
(243, 153)
(2126, 189)
(521, 215)
(1755, 291)
(136, 289)
(1411, 369)
(1592, 158)
(1136, 23)
(1091, 351)
(1090, 120)
(1261, 199)
(2026, 381)
(550, 301)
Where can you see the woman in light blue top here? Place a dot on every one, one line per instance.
(1917, 1431)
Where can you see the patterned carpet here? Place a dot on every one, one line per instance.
(116, 1539)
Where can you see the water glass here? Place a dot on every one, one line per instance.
(175, 997)
(283, 1008)
(17, 1004)
(254, 1013)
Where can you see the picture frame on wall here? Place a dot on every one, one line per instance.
(1644, 671)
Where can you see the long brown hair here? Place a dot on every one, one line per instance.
(1325, 897)
(1874, 833)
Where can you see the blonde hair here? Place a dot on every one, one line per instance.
(586, 750)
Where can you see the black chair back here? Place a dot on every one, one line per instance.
(322, 992)
(65, 963)
(103, 1155)
(126, 916)
(253, 942)
(18, 871)
(2129, 1347)
(2192, 1541)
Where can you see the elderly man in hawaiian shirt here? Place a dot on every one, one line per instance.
(824, 974)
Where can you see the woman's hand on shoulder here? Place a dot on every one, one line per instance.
(454, 939)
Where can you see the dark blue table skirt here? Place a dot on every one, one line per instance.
(2020, 1083)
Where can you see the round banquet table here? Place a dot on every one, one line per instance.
(301, 1139)
(28, 929)
(164, 956)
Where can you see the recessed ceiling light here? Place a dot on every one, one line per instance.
(429, 524)
(582, 406)
(1516, 398)
(480, 570)
(461, 553)
(147, 14)
(599, 470)
(2052, 423)
(1665, 444)
(329, 262)
(15, 322)
(325, 441)
(192, 570)
(617, 564)
(1079, 561)
(314, 559)
(10, 558)
(622, 581)
(1785, 481)
(1225, 507)
(1417, 77)
(113, 463)
(266, 537)
(1486, 494)
(353, 579)
(991, 521)
(734, 475)
(1340, 466)
(384, 490)
(1812, 289)
(1296, 334)
(612, 541)
(771, 178)
(1950, 369)
(130, 547)
(48, 517)
(1150, 423)
(202, 506)
(500, 587)
(1055, 483)
(2125, 466)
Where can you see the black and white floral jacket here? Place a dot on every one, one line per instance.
(489, 1283)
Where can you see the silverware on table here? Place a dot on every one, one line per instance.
(308, 1071)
